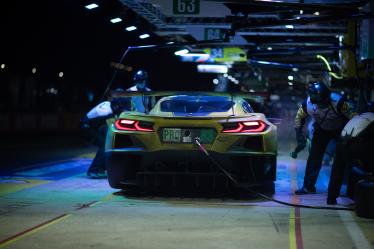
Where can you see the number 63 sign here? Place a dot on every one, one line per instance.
(186, 6)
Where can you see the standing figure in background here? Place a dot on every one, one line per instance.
(303, 142)
(355, 143)
(330, 113)
(96, 119)
(141, 103)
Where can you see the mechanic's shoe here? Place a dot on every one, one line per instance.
(305, 191)
(97, 174)
(331, 201)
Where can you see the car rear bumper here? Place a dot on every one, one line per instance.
(185, 168)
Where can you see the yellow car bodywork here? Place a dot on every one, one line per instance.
(146, 145)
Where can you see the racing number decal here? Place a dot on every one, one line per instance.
(217, 52)
(186, 6)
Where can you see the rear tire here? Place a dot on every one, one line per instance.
(115, 167)
(122, 171)
(268, 188)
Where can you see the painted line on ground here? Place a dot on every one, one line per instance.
(295, 234)
(9, 187)
(358, 238)
(33, 230)
(49, 222)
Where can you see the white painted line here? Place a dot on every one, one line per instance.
(359, 239)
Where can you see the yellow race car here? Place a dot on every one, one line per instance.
(165, 147)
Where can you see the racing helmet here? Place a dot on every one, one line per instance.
(319, 93)
(141, 79)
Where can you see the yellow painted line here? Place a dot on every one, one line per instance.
(12, 185)
(106, 198)
(86, 155)
(32, 230)
(292, 229)
(295, 236)
(41, 226)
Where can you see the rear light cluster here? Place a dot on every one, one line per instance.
(248, 126)
(133, 125)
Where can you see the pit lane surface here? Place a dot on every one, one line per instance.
(54, 205)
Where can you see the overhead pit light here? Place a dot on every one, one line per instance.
(181, 52)
(131, 28)
(264, 62)
(60, 74)
(295, 69)
(290, 77)
(196, 54)
(316, 13)
(91, 6)
(143, 36)
(289, 26)
(116, 20)
(290, 83)
(203, 68)
(269, 48)
(2, 66)
(251, 91)
(301, 12)
(33, 70)
(274, 97)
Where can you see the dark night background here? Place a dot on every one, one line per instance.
(63, 36)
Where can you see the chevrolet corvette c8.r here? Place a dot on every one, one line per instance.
(160, 149)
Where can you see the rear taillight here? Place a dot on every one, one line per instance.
(248, 126)
(133, 125)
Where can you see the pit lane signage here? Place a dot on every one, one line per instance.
(227, 54)
(214, 33)
(186, 6)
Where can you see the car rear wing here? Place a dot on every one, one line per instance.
(252, 99)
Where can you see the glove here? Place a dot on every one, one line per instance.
(301, 143)
(293, 154)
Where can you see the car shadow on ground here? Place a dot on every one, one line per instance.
(200, 194)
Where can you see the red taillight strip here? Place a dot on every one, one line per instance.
(240, 127)
(119, 125)
(247, 127)
(126, 121)
(259, 129)
(129, 125)
(138, 128)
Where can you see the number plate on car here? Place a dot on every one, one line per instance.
(171, 135)
(188, 135)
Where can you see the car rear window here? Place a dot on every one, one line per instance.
(189, 104)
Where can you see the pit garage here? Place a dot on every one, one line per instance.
(187, 124)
